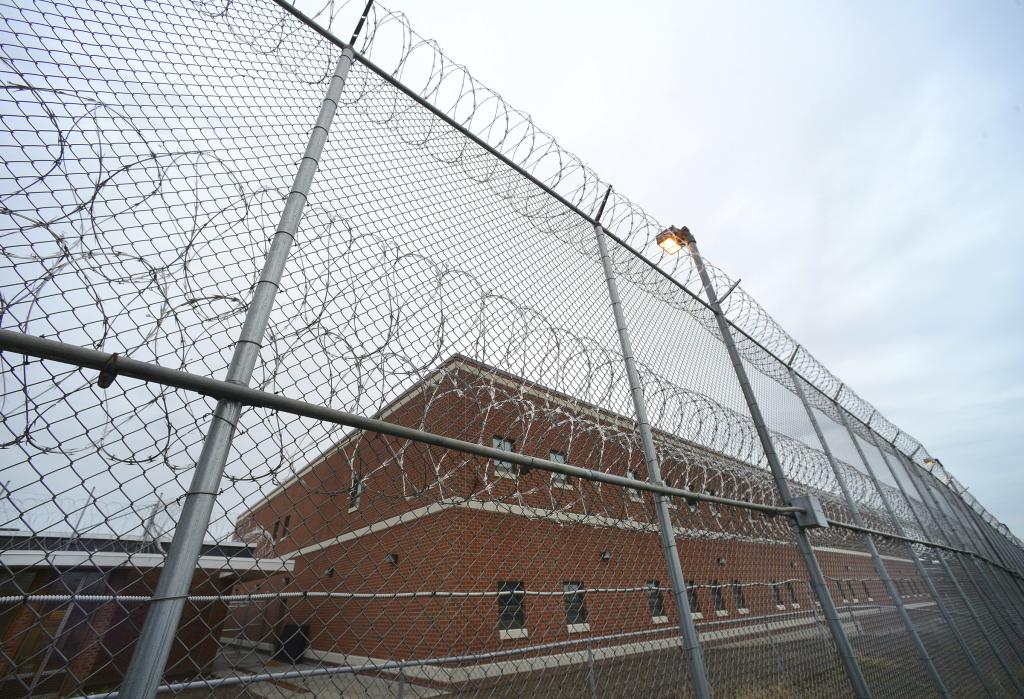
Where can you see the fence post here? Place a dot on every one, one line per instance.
(883, 571)
(161, 625)
(985, 547)
(835, 625)
(591, 676)
(954, 534)
(922, 571)
(942, 558)
(687, 629)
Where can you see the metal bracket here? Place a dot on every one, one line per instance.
(108, 373)
(810, 516)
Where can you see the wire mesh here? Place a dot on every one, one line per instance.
(445, 278)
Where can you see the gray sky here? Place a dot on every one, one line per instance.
(859, 165)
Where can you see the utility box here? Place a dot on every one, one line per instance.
(292, 643)
(812, 516)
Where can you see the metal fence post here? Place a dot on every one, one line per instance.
(883, 571)
(942, 558)
(591, 676)
(161, 625)
(687, 629)
(842, 641)
(984, 546)
(921, 570)
(997, 615)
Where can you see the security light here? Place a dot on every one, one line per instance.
(672, 240)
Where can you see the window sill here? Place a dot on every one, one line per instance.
(795, 605)
(743, 610)
(507, 634)
(664, 619)
(577, 628)
(721, 612)
(353, 509)
(871, 599)
(855, 600)
(563, 486)
(780, 607)
(697, 615)
(501, 473)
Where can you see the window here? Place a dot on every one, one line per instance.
(504, 469)
(839, 588)
(355, 492)
(633, 492)
(849, 587)
(713, 506)
(575, 606)
(741, 600)
(656, 602)
(792, 594)
(277, 527)
(284, 529)
(694, 600)
(777, 596)
(716, 594)
(511, 614)
(559, 480)
(669, 500)
(867, 592)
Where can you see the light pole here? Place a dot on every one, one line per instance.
(672, 240)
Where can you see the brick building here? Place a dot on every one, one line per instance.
(53, 646)
(408, 551)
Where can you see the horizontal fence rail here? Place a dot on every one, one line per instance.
(327, 372)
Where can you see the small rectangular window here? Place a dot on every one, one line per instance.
(669, 500)
(559, 480)
(511, 598)
(719, 598)
(693, 598)
(792, 594)
(849, 588)
(777, 596)
(739, 597)
(842, 594)
(575, 605)
(867, 592)
(633, 492)
(355, 492)
(714, 506)
(504, 469)
(277, 527)
(655, 600)
(284, 530)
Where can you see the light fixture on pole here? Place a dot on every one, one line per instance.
(673, 239)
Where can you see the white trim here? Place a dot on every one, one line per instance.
(506, 634)
(863, 554)
(246, 643)
(563, 486)
(742, 610)
(803, 625)
(506, 472)
(780, 607)
(115, 559)
(721, 612)
(530, 512)
(664, 619)
(354, 508)
(795, 605)
(577, 628)
(696, 615)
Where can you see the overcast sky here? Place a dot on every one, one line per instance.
(859, 165)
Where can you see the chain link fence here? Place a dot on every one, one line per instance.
(327, 373)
